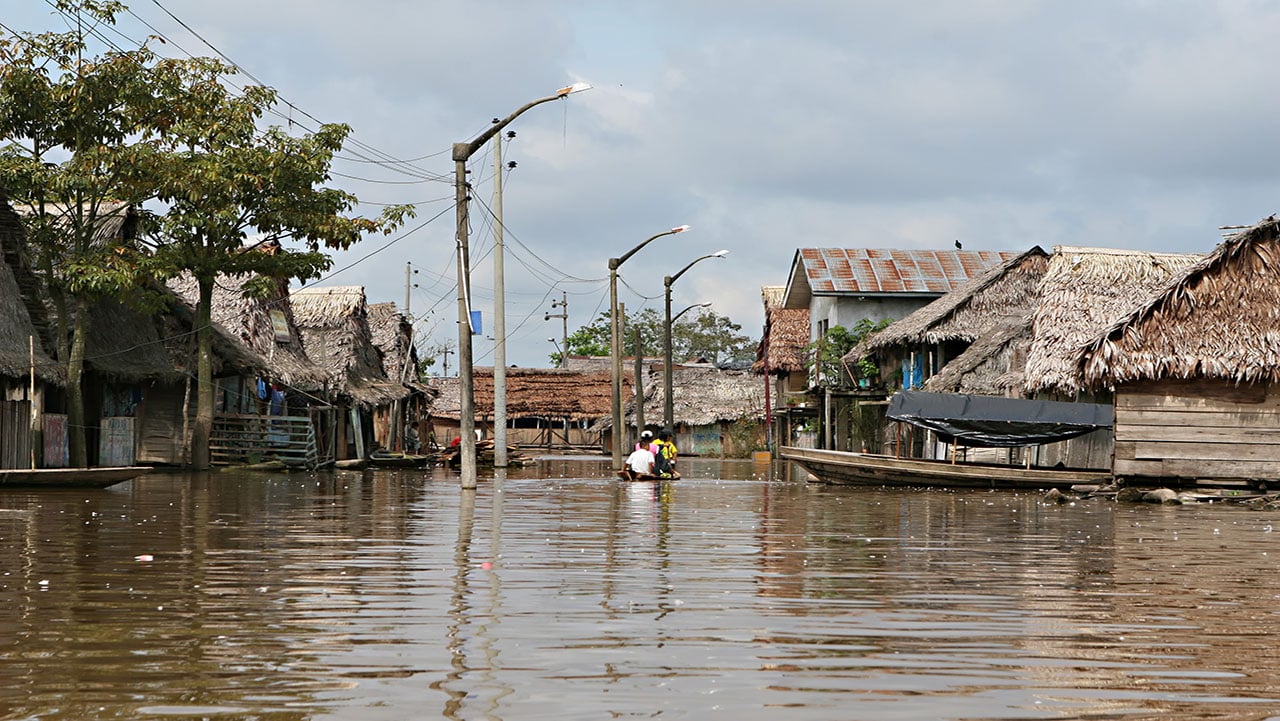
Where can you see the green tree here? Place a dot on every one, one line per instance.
(224, 179)
(826, 353)
(72, 155)
(706, 335)
(84, 139)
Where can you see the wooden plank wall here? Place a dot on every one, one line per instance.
(15, 434)
(1198, 429)
(116, 441)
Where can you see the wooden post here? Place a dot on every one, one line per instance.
(31, 398)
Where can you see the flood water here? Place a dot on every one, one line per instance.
(559, 593)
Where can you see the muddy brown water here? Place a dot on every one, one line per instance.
(559, 593)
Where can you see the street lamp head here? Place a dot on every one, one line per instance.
(719, 254)
(679, 229)
(575, 88)
(551, 340)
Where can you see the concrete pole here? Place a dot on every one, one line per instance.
(499, 318)
(466, 380)
(668, 405)
(639, 402)
(615, 365)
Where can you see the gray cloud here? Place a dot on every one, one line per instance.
(768, 126)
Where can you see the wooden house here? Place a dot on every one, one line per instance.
(28, 376)
(965, 341)
(1083, 292)
(392, 333)
(287, 385)
(781, 357)
(546, 407)
(334, 322)
(140, 380)
(1194, 369)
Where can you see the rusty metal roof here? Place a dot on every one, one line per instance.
(892, 271)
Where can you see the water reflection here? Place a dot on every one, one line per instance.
(557, 592)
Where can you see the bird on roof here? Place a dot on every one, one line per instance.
(958, 246)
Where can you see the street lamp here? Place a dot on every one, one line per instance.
(615, 337)
(668, 408)
(462, 152)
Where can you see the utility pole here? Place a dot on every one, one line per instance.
(563, 315)
(639, 402)
(499, 316)
(466, 380)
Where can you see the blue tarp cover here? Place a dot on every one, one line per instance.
(998, 422)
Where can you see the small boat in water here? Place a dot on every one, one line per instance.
(69, 477)
(869, 469)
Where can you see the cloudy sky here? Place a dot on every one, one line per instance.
(766, 126)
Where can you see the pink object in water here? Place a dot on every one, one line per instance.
(486, 565)
(144, 557)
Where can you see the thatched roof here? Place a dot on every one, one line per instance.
(114, 220)
(772, 295)
(335, 333)
(782, 347)
(1083, 292)
(126, 345)
(703, 395)
(992, 366)
(535, 393)
(392, 333)
(1004, 293)
(1218, 318)
(248, 320)
(16, 327)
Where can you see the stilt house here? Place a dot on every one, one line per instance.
(1194, 369)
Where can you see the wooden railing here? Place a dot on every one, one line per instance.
(242, 439)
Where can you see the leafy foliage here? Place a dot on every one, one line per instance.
(825, 353)
(84, 139)
(706, 335)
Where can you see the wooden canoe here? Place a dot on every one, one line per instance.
(868, 469)
(69, 477)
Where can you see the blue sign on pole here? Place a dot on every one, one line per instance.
(475, 322)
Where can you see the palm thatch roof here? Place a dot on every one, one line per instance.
(248, 319)
(1084, 291)
(773, 295)
(335, 332)
(703, 395)
(782, 347)
(992, 366)
(1002, 294)
(1218, 318)
(114, 220)
(128, 345)
(392, 333)
(16, 326)
(535, 393)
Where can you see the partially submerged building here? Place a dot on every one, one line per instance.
(1194, 368)
(546, 407)
(334, 323)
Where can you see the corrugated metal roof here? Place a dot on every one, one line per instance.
(870, 270)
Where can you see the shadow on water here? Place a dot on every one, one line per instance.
(555, 591)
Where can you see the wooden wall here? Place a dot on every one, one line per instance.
(1198, 429)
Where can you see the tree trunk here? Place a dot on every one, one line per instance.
(76, 422)
(204, 377)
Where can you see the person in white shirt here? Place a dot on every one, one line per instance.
(639, 464)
